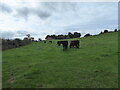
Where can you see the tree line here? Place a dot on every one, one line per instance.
(68, 36)
(73, 35)
(15, 43)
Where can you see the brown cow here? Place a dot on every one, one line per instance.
(64, 44)
(74, 43)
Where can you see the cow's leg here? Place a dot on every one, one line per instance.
(66, 46)
(74, 46)
(77, 46)
(63, 47)
(70, 46)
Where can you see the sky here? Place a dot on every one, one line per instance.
(17, 19)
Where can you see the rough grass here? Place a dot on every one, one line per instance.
(46, 65)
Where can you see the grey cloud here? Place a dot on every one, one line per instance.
(60, 6)
(52, 6)
(5, 8)
(69, 6)
(25, 12)
(46, 9)
(42, 14)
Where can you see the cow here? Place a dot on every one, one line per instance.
(58, 43)
(74, 43)
(44, 41)
(50, 41)
(64, 44)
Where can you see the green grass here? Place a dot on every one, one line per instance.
(46, 65)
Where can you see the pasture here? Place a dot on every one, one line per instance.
(46, 65)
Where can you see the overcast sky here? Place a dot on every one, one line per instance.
(45, 18)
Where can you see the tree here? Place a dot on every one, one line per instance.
(115, 30)
(70, 35)
(77, 35)
(53, 36)
(32, 38)
(87, 35)
(101, 33)
(25, 38)
(60, 37)
(28, 35)
(39, 39)
(65, 37)
(105, 31)
(48, 36)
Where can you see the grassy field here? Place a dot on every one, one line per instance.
(46, 65)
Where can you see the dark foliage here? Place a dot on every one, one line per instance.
(101, 32)
(105, 31)
(8, 44)
(70, 35)
(76, 35)
(39, 39)
(115, 30)
(87, 35)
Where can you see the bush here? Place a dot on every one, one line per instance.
(8, 44)
(70, 35)
(115, 30)
(105, 31)
(87, 35)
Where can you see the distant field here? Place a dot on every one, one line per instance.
(46, 65)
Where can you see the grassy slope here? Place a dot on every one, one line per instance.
(95, 64)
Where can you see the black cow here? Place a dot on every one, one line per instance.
(58, 43)
(44, 41)
(64, 44)
(50, 41)
(74, 43)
